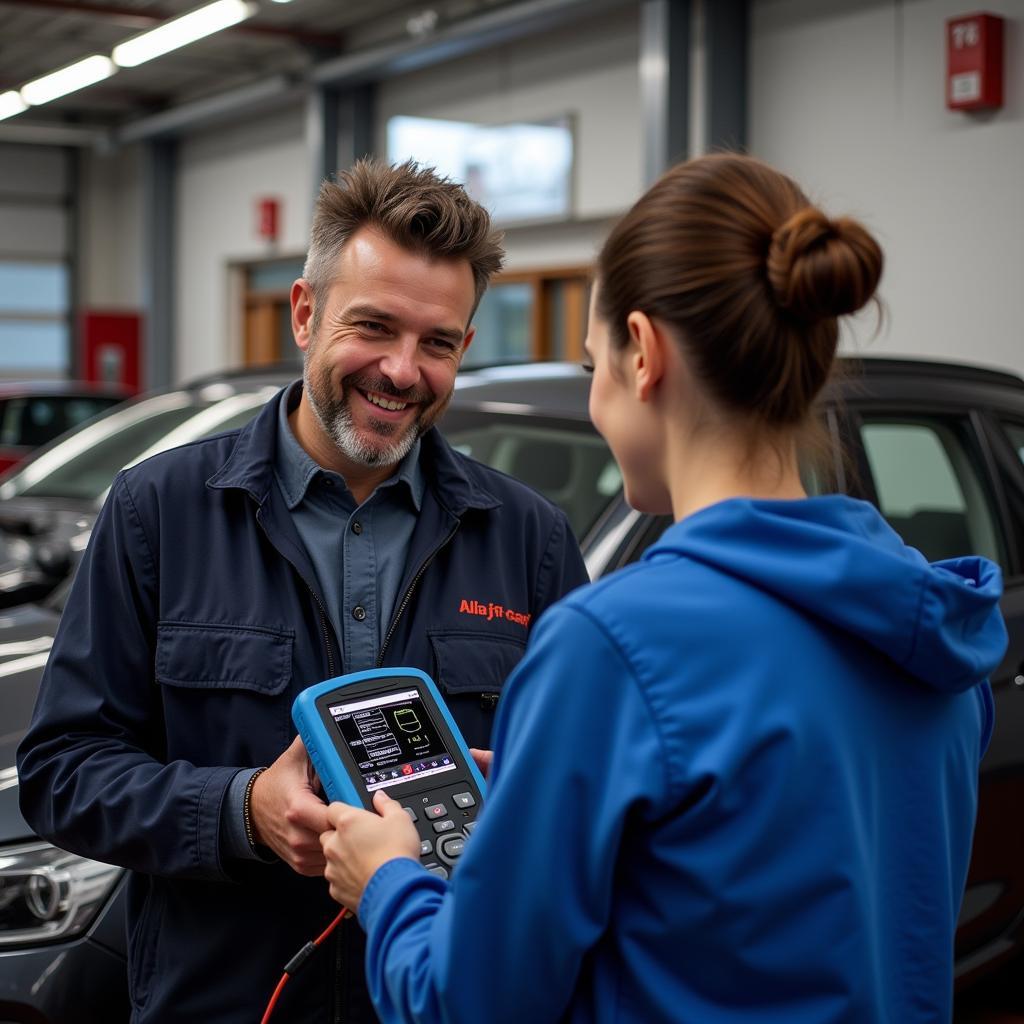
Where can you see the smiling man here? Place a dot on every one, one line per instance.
(382, 350)
(336, 532)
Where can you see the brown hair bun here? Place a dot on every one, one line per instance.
(820, 268)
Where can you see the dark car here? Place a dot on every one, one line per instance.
(33, 413)
(939, 448)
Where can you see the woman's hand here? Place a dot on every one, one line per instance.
(483, 759)
(360, 841)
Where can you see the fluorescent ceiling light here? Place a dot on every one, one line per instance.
(181, 31)
(10, 104)
(59, 83)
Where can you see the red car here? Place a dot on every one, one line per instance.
(33, 413)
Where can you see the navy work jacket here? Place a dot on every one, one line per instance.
(192, 624)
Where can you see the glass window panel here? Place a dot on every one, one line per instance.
(517, 171)
(502, 326)
(33, 346)
(928, 488)
(274, 276)
(33, 287)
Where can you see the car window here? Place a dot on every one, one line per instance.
(84, 465)
(80, 408)
(8, 424)
(33, 421)
(85, 470)
(569, 465)
(1015, 432)
(929, 486)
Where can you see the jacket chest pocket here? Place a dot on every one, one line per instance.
(225, 692)
(470, 669)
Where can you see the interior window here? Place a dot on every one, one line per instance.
(928, 487)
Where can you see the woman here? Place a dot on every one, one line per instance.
(737, 780)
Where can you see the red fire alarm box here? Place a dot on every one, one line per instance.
(974, 62)
(269, 211)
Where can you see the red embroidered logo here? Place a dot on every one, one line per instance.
(494, 611)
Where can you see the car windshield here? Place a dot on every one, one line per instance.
(83, 465)
(565, 460)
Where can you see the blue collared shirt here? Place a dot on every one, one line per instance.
(358, 553)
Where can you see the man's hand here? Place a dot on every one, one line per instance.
(286, 813)
(483, 759)
(361, 841)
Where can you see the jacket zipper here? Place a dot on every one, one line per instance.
(322, 612)
(339, 960)
(323, 627)
(322, 615)
(408, 594)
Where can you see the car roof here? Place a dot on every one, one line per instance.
(60, 389)
(562, 389)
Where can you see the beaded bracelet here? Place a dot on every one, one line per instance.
(247, 809)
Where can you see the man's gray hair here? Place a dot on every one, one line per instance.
(412, 206)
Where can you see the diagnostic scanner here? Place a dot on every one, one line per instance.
(390, 729)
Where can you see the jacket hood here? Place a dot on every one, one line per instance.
(837, 559)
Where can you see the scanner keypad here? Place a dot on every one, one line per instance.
(444, 818)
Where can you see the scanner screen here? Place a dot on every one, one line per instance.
(392, 738)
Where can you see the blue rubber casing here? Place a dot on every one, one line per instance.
(321, 745)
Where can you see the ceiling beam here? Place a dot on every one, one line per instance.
(132, 17)
(470, 35)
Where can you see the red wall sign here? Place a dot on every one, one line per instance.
(269, 218)
(974, 62)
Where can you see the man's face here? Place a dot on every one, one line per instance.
(380, 368)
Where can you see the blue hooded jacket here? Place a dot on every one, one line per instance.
(734, 782)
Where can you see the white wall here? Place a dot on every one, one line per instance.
(848, 97)
(222, 174)
(589, 71)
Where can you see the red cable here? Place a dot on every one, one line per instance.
(273, 999)
(298, 960)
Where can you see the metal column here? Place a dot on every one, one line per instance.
(158, 255)
(726, 43)
(664, 82)
(339, 129)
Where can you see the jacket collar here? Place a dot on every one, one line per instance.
(250, 465)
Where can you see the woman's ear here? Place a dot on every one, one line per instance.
(646, 353)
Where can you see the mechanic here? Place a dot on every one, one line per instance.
(336, 532)
(737, 781)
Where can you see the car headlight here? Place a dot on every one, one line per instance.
(48, 894)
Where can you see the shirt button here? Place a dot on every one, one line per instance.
(357, 527)
(359, 613)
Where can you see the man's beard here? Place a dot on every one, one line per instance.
(392, 441)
